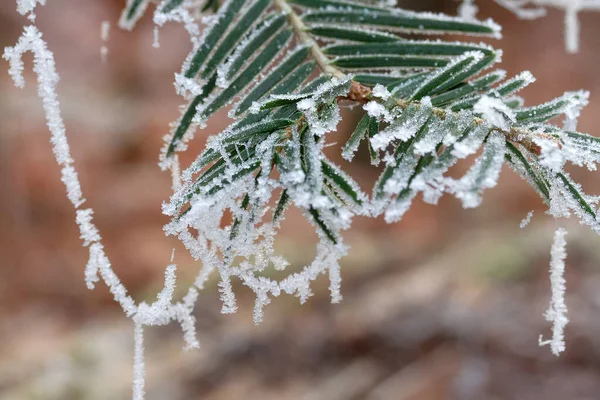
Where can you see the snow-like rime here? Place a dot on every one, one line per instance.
(557, 310)
(104, 36)
(527, 220)
(426, 104)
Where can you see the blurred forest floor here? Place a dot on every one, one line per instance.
(447, 304)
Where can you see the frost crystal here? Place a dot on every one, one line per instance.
(28, 6)
(156, 38)
(104, 35)
(557, 310)
(526, 220)
(404, 127)
(468, 10)
(377, 110)
(381, 92)
(89, 232)
(495, 111)
(484, 173)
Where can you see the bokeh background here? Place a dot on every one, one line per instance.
(447, 304)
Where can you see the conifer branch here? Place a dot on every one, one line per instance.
(362, 93)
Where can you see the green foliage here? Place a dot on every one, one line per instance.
(283, 67)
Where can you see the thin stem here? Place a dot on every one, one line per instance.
(303, 37)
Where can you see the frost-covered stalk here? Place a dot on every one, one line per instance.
(162, 311)
(139, 364)
(557, 310)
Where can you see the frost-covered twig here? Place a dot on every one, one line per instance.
(162, 311)
(557, 310)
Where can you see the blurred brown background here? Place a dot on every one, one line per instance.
(447, 304)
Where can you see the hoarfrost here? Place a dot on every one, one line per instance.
(495, 112)
(89, 232)
(98, 265)
(45, 69)
(410, 121)
(378, 110)
(139, 363)
(557, 310)
(381, 92)
(104, 36)
(28, 6)
(468, 10)
(483, 175)
(526, 220)
(156, 38)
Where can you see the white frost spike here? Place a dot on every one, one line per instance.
(572, 28)
(156, 39)
(105, 31)
(578, 101)
(175, 174)
(468, 10)
(45, 69)
(27, 6)
(165, 297)
(557, 310)
(104, 35)
(93, 265)
(495, 112)
(526, 220)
